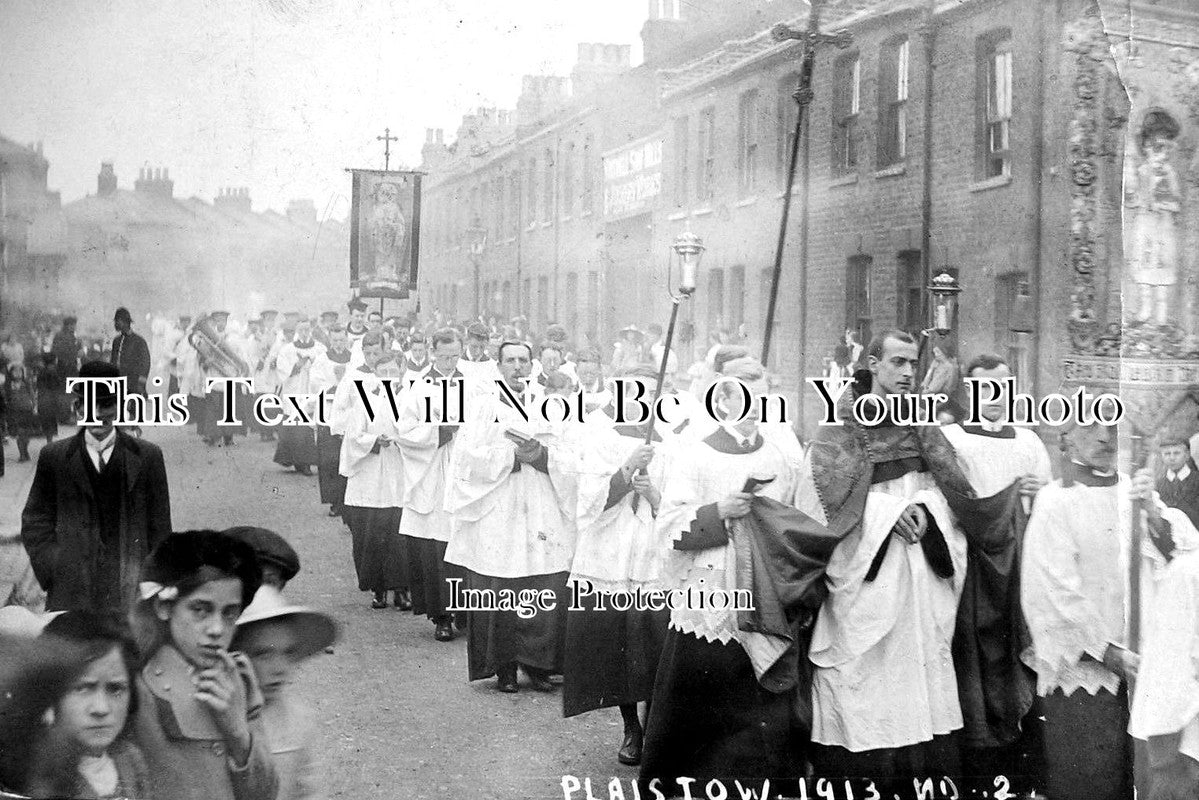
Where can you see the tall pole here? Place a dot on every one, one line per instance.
(810, 37)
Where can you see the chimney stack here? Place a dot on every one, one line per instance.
(154, 181)
(106, 181)
(235, 199)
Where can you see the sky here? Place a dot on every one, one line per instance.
(277, 95)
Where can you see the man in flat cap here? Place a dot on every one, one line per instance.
(98, 504)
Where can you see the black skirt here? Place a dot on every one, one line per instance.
(498, 638)
(710, 719)
(380, 557)
(611, 657)
(430, 590)
(296, 447)
(328, 462)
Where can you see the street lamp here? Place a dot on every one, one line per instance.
(476, 241)
(944, 289)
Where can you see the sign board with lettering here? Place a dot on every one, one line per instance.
(633, 178)
(1130, 372)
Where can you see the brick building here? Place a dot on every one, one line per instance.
(990, 138)
(555, 206)
(28, 262)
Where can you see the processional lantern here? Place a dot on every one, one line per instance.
(944, 289)
(690, 251)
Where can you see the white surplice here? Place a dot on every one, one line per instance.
(426, 464)
(991, 464)
(506, 524)
(373, 480)
(884, 668)
(618, 549)
(1075, 588)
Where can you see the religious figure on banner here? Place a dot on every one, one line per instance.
(388, 232)
(385, 220)
(1153, 193)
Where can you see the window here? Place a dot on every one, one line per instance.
(543, 301)
(736, 310)
(514, 199)
(847, 103)
(568, 181)
(705, 151)
(531, 194)
(910, 293)
(1013, 309)
(525, 301)
(547, 187)
(667, 9)
(497, 193)
(995, 104)
(506, 301)
(788, 112)
(764, 281)
(747, 141)
(682, 158)
(857, 297)
(715, 300)
(592, 305)
(572, 305)
(892, 105)
(588, 175)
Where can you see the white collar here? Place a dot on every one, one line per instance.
(100, 445)
(991, 426)
(741, 439)
(1180, 475)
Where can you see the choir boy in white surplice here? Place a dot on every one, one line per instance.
(513, 529)
(373, 467)
(715, 712)
(611, 654)
(346, 395)
(427, 447)
(1006, 466)
(885, 699)
(297, 444)
(1077, 598)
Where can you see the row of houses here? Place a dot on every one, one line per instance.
(156, 253)
(990, 138)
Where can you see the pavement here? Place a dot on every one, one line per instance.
(398, 717)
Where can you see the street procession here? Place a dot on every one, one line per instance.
(771, 400)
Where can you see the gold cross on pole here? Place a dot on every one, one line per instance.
(387, 139)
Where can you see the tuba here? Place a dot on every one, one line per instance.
(215, 353)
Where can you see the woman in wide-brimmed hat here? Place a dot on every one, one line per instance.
(276, 637)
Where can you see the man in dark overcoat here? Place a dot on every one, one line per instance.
(98, 505)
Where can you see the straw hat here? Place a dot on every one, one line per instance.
(313, 631)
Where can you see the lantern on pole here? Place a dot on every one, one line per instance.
(689, 249)
(944, 289)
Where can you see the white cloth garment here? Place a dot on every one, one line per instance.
(426, 465)
(1075, 574)
(992, 464)
(506, 524)
(701, 475)
(882, 649)
(373, 480)
(618, 549)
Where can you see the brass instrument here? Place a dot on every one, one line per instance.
(215, 353)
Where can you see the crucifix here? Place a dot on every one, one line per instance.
(387, 139)
(810, 38)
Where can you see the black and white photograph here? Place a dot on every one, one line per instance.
(624, 400)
